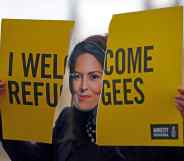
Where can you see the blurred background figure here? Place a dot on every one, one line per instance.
(91, 17)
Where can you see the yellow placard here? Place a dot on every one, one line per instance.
(32, 63)
(141, 77)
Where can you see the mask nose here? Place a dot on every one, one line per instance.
(84, 84)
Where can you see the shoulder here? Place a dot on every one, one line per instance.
(62, 124)
(67, 111)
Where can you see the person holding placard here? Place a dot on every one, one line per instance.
(75, 130)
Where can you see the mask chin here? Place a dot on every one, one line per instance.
(75, 104)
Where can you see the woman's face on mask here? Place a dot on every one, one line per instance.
(86, 82)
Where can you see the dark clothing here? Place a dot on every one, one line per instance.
(70, 147)
(76, 146)
(26, 151)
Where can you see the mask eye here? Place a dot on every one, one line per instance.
(75, 76)
(95, 76)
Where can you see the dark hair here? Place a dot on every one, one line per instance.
(94, 45)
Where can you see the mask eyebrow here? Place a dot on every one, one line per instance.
(94, 72)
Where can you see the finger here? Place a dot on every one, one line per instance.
(181, 91)
(180, 109)
(2, 84)
(2, 87)
(2, 92)
(180, 105)
(179, 97)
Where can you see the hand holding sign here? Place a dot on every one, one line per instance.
(2, 89)
(180, 101)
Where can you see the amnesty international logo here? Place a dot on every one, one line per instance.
(164, 131)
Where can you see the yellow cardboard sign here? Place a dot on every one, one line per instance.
(141, 78)
(32, 62)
